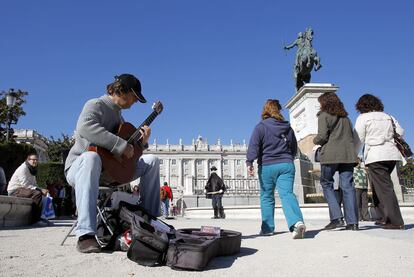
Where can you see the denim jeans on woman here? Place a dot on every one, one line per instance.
(84, 176)
(346, 185)
(282, 177)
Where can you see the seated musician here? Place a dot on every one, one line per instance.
(97, 124)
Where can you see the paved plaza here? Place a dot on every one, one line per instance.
(369, 252)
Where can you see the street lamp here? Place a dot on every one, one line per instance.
(10, 101)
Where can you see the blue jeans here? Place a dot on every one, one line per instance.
(282, 177)
(84, 175)
(165, 206)
(346, 184)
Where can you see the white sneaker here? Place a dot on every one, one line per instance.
(299, 230)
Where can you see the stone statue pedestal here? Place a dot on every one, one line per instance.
(303, 107)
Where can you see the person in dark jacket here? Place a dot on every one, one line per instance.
(338, 153)
(273, 144)
(216, 187)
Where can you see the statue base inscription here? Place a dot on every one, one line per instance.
(303, 107)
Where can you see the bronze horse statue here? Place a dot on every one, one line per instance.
(306, 58)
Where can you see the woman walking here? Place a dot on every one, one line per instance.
(338, 153)
(273, 144)
(375, 132)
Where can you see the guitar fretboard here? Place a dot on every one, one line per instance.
(147, 122)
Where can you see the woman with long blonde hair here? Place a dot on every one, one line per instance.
(273, 144)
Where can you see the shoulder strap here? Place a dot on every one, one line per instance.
(393, 125)
(336, 122)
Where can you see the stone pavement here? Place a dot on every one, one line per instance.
(369, 252)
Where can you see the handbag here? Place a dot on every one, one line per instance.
(318, 154)
(402, 146)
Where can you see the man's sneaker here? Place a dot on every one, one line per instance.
(299, 230)
(266, 234)
(336, 223)
(88, 244)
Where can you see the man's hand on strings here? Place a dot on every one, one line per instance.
(145, 133)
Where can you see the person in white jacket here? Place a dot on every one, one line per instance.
(375, 135)
(23, 184)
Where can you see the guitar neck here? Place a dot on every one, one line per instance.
(146, 122)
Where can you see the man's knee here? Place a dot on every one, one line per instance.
(36, 196)
(91, 160)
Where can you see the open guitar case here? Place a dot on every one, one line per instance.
(193, 250)
(155, 242)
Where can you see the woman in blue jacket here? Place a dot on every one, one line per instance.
(273, 144)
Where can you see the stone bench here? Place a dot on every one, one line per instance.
(15, 211)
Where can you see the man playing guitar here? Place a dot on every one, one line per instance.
(97, 125)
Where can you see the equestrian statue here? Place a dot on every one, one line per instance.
(306, 58)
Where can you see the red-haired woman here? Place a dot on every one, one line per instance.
(273, 144)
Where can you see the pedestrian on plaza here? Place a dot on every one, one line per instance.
(23, 184)
(97, 122)
(273, 144)
(215, 188)
(361, 188)
(338, 153)
(166, 196)
(375, 133)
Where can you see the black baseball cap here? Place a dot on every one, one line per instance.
(130, 82)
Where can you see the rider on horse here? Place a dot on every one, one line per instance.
(305, 58)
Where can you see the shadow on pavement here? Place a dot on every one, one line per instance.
(409, 226)
(257, 235)
(311, 234)
(227, 261)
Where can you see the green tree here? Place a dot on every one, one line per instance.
(407, 171)
(58, 147)
(16, 111)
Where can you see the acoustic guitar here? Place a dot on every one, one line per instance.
(121, 169)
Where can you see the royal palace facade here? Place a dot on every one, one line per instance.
(187, 167)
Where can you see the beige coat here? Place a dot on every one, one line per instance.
(374, 131)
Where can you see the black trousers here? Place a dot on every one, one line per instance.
(379, 174)
(362, 203)
(216, 201)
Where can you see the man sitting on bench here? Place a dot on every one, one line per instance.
(23, 184)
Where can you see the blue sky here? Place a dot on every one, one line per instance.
(213, 63)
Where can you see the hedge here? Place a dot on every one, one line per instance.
(51, 172)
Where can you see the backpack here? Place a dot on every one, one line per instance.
(163, 194)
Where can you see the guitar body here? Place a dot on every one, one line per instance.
(120, 169)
